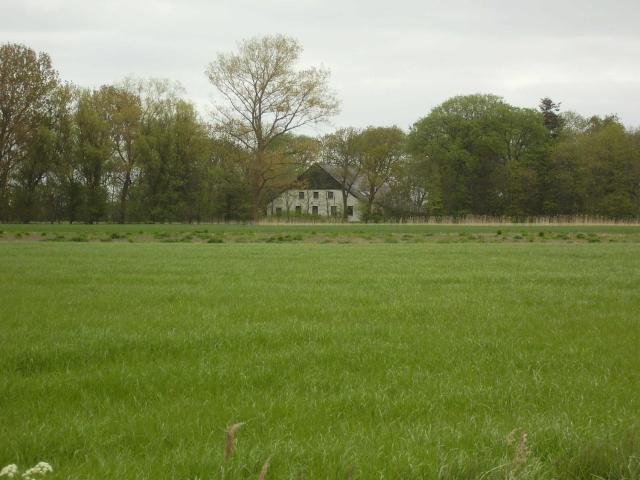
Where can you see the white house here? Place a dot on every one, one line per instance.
(320, 193)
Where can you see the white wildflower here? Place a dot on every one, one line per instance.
(42, 468)
(9, 471)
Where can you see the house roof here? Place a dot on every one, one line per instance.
(328, 177)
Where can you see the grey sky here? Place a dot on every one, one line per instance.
(391, 61)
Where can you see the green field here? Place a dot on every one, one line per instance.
(352, 352)
(321, 233)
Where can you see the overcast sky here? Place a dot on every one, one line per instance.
(391, 61)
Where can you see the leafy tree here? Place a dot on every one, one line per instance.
(93, 151)
(483, 152)
(173, 165)
(596, 168)
(611, 165)
(27, 80)
(227, 191)
(63, 192)
(31, 171)
(123, 111)
(381, 150)
(408, 192)
(551, 116)
(266, 97)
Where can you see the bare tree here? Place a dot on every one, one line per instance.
(341, 151)
(264, 98)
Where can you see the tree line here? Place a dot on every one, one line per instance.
(138, 151)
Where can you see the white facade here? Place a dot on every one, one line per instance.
(325, 203)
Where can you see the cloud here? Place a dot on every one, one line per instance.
(391, 62)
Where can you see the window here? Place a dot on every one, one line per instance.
(314, 209)
(316, 194)
(334, 211)
(330, 195)
(298, 209)
(278, 211)
(301, 195)
(350, 210)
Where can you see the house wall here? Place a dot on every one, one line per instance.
(289, 200)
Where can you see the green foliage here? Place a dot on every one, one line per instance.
(27, 83)
(489, 158)
(92, 152)
(481, 151)
(381, 150)
(137, 151)
(172, 185)
(606, 162)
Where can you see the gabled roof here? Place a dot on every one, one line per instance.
(318, 177)
(328, 177)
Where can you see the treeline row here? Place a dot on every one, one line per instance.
(479, 155)
(138, 151)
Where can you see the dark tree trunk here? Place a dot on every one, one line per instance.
(123, 198)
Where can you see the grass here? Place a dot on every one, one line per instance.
(321, 233)
(363, 360)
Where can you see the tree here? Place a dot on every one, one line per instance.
(63, 194)
(265, 98)
(173, 165)
(381, 150)
(411, 192)
(341, 150)
(484, 153)
(93, 150)
(227, 189)
(551, 116)
(123, 111)
(609, 166)
(449, 141)
(27, 79)
(31, 171)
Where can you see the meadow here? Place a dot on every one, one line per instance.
(320, 233)
(356, 351)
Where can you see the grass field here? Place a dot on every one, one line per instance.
(376, 359)
(321, 233)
